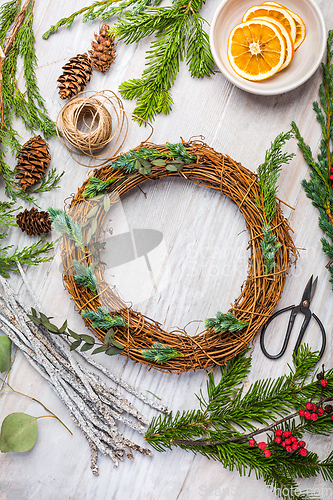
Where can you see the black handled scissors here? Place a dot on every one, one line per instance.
(304, 308)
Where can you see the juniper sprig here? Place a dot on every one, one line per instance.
(85, 276)
(270, 247)
(102, 319)
(160, 353)
(319, 188)
(63, 223)
(224, 322)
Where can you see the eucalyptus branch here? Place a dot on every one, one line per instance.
(36, 401)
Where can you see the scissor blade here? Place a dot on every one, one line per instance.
(307, 291)
(313, 289)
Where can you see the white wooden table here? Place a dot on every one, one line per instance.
(204, 242)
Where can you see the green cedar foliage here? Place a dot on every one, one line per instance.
(160, 353)
(102, 319)
(63, 223)
(269, 172)
(319, 187)
(179, 35)
(17, 40)
(269, 247)
(85, 276)
(101, 10)
(224, 322)
(30, 255)
(229, 415)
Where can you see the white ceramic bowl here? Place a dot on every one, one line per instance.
(307, 57)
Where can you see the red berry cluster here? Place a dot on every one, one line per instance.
(290, 443)
(331, 176)
(311, 412)
(262, 446)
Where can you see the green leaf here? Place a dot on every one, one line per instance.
(145, 170)
(106, 203)
(117, 344)
(92, 212)
(44, 318)
(75, 345)
(34, 312)
(18, 433)
(174, 167)
(102, 348)
(88, 338)
(111, 351)
(51, 328)
(5, 354)
(73, 334)
(89, 235)
(158, 163)
(86, 347)
(63, 327)
(137, 165)
(37, 321)
(145, 163)
(93, 226)
(109, 336)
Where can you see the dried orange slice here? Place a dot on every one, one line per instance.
(278, 13)
(256, 49)
(287, 38)
(300, 26)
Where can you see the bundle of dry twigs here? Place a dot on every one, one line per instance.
(259, 295)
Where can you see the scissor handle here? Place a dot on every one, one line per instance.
(323, 334)
(287, 337)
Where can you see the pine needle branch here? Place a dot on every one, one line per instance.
(223, 428)
(102, 319)
(270, 246)
(225, 322)
(160, 353)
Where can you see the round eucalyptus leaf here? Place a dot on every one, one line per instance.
(5, 354)
(18, 433)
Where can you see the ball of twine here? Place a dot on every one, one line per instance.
(91, 114)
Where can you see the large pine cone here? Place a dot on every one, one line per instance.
(104, 50)
(33, 160)
(76, 75)
(34, 222)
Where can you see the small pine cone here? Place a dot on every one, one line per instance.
(34, 222)
(104, 50)
(33, 160)
(76, 75)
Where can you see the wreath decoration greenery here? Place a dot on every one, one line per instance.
(128, 331)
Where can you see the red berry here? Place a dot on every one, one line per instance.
(309, 406)
(267, 453)
(301, 413)
(307, 415)
(289, 449)
(278, 432)
(262, 445)
(332, 417)
(321, 411)
(302, 444)
(284, 443)
(252, 442)
(314, 417)
(314, 407)
(294, 446)
(294, 439)
(278, 440)
(332, 170)
(303, 452)
(331, 177)
(287, 434)
(288, 441)
(324, 383)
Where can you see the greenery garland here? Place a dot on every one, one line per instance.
(320, 186)
(143, 339)
(285, 408)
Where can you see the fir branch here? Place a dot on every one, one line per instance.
(96, 187)
(160, 353)
(102, 319)
(178, 152)
(224, 322)
(269, 172)
(127, 161)
(269, 247)
(219, 430)
(63, 223)
(85, 276)
(319, 188)
(179, 34)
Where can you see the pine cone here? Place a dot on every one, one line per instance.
(104, 50)
(34, 222)
(76, 75)
(33, 160)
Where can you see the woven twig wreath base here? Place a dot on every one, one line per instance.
(259, 295)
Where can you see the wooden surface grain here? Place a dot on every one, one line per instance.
(197, 269)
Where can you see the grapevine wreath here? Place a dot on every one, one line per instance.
(130, 332)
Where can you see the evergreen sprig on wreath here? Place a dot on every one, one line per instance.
(229, 419)
(319, 188)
